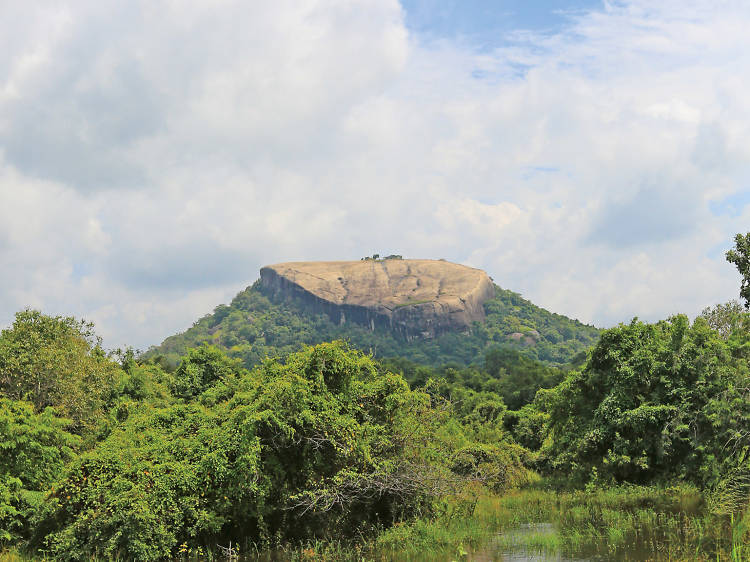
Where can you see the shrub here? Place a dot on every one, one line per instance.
(33, 451)
(654, 402)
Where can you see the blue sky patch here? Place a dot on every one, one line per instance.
(80, 270)
(488, 23)
(732, 205)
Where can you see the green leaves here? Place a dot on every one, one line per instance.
(101, 460)
(323, 443)
(33, 451)
(740, 257)
(56, 361)
(652, 403)
(201, 368)
(162, 478)
(33, 447)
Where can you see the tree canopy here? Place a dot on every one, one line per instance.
(324, 442)
(653, 402)
(740, 257)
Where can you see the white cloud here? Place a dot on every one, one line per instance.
(156, 154)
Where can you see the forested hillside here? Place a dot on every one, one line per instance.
(256, 324)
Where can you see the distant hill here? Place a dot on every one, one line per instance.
(268, 320)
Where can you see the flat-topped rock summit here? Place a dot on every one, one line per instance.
(416, 298)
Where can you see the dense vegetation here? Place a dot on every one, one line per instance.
(145, 463)
(655, 402)
(641, 442)
(256, 325)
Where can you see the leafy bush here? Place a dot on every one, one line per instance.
(33, 451)
(528, 426)
(56, 361)
(499, 467)
(654, 402)
(200, 369)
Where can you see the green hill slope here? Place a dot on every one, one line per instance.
(257, 325)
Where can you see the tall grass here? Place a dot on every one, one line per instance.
(636, 523)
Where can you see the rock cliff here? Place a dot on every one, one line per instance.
(416, 298)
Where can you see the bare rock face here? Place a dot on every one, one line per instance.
(416, 298)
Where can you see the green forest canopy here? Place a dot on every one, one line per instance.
(256, 325)
(213, 452)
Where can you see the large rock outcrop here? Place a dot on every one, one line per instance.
(416, 298)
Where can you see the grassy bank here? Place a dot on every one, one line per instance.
(629, 523)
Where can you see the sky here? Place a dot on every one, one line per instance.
(592, 155)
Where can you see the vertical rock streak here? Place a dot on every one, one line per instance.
(415, 298)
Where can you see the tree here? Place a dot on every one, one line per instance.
(202, 367)
(725, 318)
(740, 257)
(56, 361)
(33, 451)
(653, 402)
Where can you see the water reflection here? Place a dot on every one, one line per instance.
(538, 542)
(525, 543)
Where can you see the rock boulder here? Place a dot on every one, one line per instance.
(415, 298)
